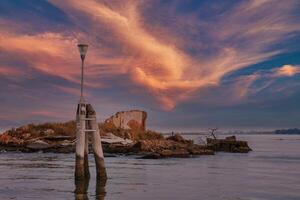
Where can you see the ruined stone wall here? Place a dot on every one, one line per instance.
(133, 119)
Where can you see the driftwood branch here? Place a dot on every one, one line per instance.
(212, 131)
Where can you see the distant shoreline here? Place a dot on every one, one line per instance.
(292, 131)
(226, 133)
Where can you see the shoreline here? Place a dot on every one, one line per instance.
(173, 146)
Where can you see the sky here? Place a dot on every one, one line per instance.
(192, 64)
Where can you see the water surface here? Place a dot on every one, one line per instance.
(271, 171)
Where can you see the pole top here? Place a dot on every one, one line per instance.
(82, 50)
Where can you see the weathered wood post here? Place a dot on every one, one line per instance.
(80, 171)
(86, 155)
(96, 143)
(86, 123)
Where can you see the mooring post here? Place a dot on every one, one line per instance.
(86, 156)
(96, 144)
(80, 141)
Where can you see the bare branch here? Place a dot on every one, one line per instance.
(212, 130)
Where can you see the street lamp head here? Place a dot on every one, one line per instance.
(82, 50)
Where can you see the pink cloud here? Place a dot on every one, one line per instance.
(10, 72)
(286, 70)
(161, 66)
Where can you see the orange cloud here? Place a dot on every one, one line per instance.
(286, 70)
(47, 52)
(51, 53)
(168, 71)
(243, 86)
(10, 72)
(165, 69)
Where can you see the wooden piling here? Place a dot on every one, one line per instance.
(80, 141)
(86, 157)
(87, 124)
(96, 144)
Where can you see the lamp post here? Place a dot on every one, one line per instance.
(86, 124)
(82, 50)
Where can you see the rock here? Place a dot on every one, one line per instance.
(37, 145)
(129, 125)
(176, 153)
(242, 149)
(110, 138)
(118, 148)
(200, 150)
(26, 135)
(178, 138)
(152, 145)
(151, 156)
(59, 137)
(229, 144)
(233, 138)
(67, 143)
(49, 131)
(180, 153)
(169, 148)
(166, 153)
(133, 119)
(6, 139)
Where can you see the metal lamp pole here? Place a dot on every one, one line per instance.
(82, 50)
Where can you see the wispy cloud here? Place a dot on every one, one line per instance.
(286, 70)
(242, 36)
(163, 56)
(241, 89)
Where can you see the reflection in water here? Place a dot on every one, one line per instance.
(82, 188)
(100, 189)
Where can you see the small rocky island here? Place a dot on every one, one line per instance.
(122, 134)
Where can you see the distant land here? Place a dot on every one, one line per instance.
(290, 131)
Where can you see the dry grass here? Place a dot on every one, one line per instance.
(37, 130)
(69, 129)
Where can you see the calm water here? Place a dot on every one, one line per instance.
(271, 171)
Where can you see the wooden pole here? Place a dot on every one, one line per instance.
(80, 141)
(86, 157)
(96, 144)
(87, 124)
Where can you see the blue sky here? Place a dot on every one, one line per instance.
(190, 64)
